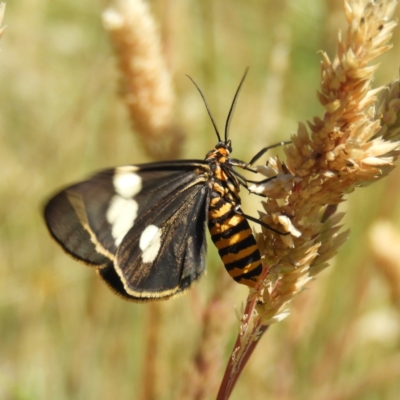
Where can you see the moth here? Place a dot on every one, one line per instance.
(143, 227)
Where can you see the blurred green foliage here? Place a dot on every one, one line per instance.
(63, 334)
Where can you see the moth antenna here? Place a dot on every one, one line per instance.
(233, 105)
(207, 107)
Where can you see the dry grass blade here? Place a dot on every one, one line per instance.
(350, 146)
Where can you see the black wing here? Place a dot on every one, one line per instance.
(142, 226)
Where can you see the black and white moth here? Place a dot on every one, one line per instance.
(143, 227)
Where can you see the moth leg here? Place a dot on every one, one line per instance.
(263, 180)
(263, 151)
(258, 221)
(247, 166)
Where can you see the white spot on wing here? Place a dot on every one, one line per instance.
(126, 182)
(121, 215)
(150, 243)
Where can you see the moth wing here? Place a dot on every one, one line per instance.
(76, 219)
(165, 251)
(100, 222)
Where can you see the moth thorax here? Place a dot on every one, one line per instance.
(220, 153)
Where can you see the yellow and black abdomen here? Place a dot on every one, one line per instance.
(232, 235)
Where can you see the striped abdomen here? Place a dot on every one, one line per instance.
(233, 237)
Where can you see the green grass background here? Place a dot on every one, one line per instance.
(64, 335)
